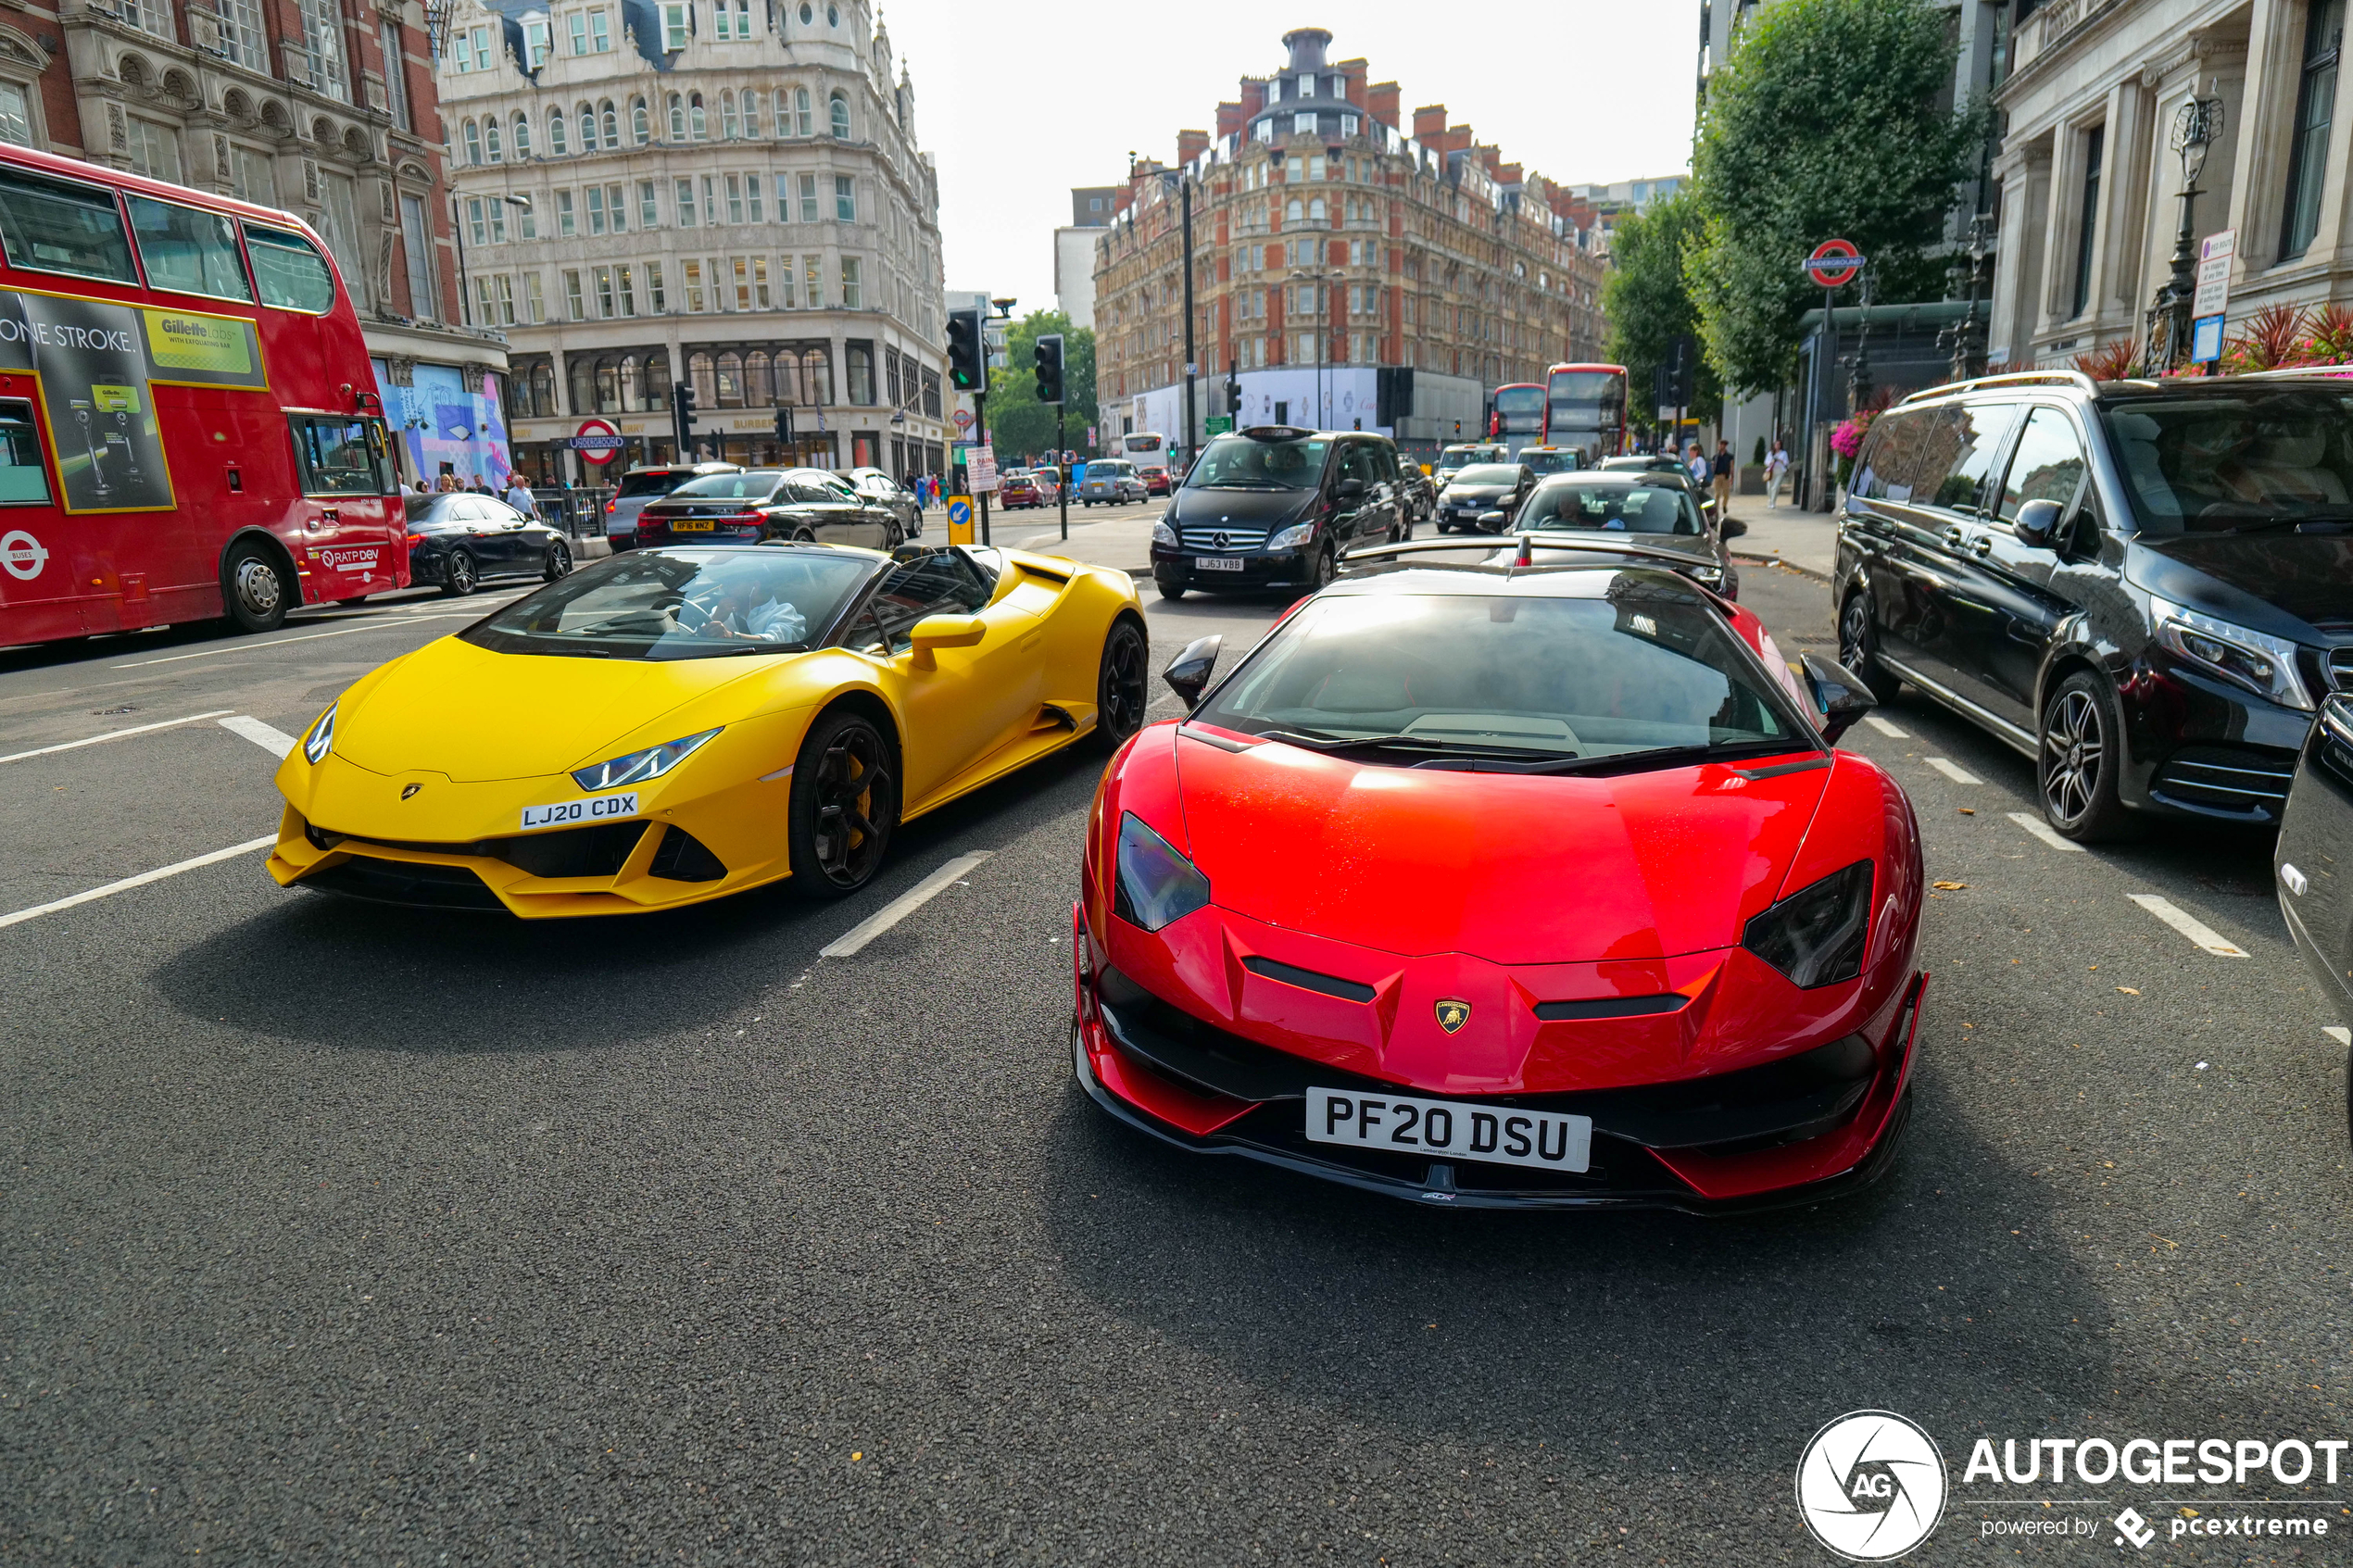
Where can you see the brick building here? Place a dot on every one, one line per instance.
(289, 104)
(1332, 238)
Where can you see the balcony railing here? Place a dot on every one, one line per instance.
(2044, 30)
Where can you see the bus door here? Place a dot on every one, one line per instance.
(342, 539)
(43, 563)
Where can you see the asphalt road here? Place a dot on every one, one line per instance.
(334, 1234)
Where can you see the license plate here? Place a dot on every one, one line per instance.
(570, 813)
(691, 525)
(1218, 564)
(1548, 1140)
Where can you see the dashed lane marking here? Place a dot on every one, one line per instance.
(2339, 1032)
(276, 742)
(1883, 727)
(1954, 771)
(2188, 925)
(898, 908)
(111, 734)
(140, 881)
(2045, 832)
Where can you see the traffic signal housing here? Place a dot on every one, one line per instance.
(1049, 357)
(682, 398)
(964, 351)
(784, 427)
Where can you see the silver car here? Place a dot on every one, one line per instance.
(641, 485)
(1111, 481)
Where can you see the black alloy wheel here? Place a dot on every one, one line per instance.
(255, 591)
(2077, 761)
(804, 536)
(559, 560)
(458, 576)
(1327, 568)
(845, 805)
(893, 535)
(1858, 648)
(1122, 687)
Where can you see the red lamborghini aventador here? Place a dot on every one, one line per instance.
(1507, 886)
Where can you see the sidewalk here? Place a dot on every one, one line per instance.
(1808, 540)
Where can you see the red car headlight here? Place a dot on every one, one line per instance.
(1817, 935)
(1153, 885)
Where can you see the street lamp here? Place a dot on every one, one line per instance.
(1319, 275)
(2197, 125)
(1172, 178)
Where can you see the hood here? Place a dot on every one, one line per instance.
(476, 715)
(1243, 508)
(1512, 869)
(2284, 584)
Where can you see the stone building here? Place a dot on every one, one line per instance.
(710, 192)
(324, 111)
(1330, 242)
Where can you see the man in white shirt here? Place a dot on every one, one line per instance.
(519, 496)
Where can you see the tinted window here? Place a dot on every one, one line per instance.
(1899, 442)
(1241, 463)
(1632, 508)
(2219, 463)
(338, 456)
(659, 481)
(59, 228)
(293, 275)
(23, 479)
(1974, 435)
(681, 603)
(941, 583)
(755, 485)
(189, 251)
(423, 508)
(2048, 465)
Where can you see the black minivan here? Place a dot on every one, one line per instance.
(2144, 586)
(1277, 507)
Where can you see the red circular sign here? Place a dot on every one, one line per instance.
(596, 441)
(1834, 262)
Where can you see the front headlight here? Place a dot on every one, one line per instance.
(1291, 538)
(322, 739)
(1163, 533)
(2262, 663)
(1156, 886)
(1816, 935)
(639, 766)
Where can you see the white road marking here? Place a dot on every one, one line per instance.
(2188, 925)
(2045, 832)
(1954, 771)
(376, 623)
(898, 908)
(1883, 727)
(2339, 1032)
(111, 734)
(140, 881)
(276, 742)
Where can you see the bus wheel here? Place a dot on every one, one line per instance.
(257, 590)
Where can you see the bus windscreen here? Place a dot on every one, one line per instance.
(1519, 409)
(1587, 400)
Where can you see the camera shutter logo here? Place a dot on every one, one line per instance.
(1870, 1485)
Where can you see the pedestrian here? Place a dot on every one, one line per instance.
(1776, 465)
(1723, 472)
(1695, 464)
(447, 482)
(519, 496)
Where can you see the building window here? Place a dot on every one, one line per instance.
(497, 219)
(852, 294)
(241, 29)
(809, 198)
(675, 25)
(697, 125)
(628, 292)
(537, 306)
(858, 360)
(735, 198)
(416, 241)
(523, 137)
(752, 198)
(595, 209)
(155, 149)
(840, 109)
(556, 132)
(694, 286)
(685, 194)
(2087, 226)
(396, 77)
(253, 176)
(492, 144)
(587, 128)
(845, 199)
(538, 43)
(322, 41)
(2315, 106)
(801, 120)
(812, 278)
(565, 227)
(649, 211)
(641, 126)
(654, 299)
(751, 112)
(600, 31)
(604, 293)
(572, 296)
(677, 118)
(731, 125)
(610, 123)
(474, 142)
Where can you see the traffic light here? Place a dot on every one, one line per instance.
(784, 427)
(1049, 356)
(964, 351)
(682, 415)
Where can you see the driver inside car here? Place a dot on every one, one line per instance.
(751, 604)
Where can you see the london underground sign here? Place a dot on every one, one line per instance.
(1834, 262)
(597, 441)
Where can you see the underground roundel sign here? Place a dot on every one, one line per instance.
(597, 441)
(1834, 262)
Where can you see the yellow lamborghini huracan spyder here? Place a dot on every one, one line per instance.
(672, 725)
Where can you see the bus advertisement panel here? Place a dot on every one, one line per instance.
(1515, 416)
(1585, 406)
(187, 424)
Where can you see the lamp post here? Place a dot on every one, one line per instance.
(1184, 188)
(2197, 125)
(1964, 336)
(1319, 276)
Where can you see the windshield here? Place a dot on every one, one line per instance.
(1240, 463)
(660, 482)
(2261, 459)
(1625, 677)
(1507, 474)
(1542, 461)
(755, 486)
(681, 603)
(1109, 469)
(1632, 508)
(1587, 400)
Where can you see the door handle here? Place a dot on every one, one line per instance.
(1984, 545)
(1956, 535)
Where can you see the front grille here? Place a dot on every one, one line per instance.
(1220, 540)
(405, 882)
(597, 850)
(2340, 670)
(2225, 781)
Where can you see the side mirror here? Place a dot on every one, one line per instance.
(944, 632)
(1187, 673)
(1348, 490)
(1732, 528)
(2036, 525)
(1838, 693)
(1492, 521)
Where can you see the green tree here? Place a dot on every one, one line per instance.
(1019, 426)
(1649, 304)
(1829, 120)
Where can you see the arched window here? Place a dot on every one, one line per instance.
(706, 384)
(640, 123)
(787, 372)
(731, 125)
(587, 128)
(632, 387)
(677, 118)
(759, 388)
(817, 375)
(657, 382)
(1315, 210)
(583, 384)
(522, 136)
(474, 142)
(751, 111)
(543, 391)
(801, 125)
(491, 147)
(1296, 212)
(699, 126)
(556, 132)
(610, 123)
(842, 118)
(607, 387)
(731, 381)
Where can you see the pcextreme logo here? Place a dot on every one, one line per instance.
(1870, 1485)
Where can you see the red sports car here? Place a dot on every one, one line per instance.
(1499, 886)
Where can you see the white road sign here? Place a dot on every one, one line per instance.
(2214, 273)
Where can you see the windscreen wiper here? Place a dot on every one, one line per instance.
(1661, 757)
(2336, 518)
(1407, 743)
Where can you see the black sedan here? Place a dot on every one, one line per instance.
(460, 540)
(886, 492)
(1482, 498)
(809, 505)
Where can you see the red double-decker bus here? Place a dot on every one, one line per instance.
(1585, 406)
(188, 423)
(1515, 416)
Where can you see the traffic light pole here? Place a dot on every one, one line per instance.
(980, 427)
(1192, 424)
(1062, 449)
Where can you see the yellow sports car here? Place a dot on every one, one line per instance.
(676, 724)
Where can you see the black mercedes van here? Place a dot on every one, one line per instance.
(1277, 507)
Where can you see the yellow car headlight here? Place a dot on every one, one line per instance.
(639, 766)
(322, 739)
